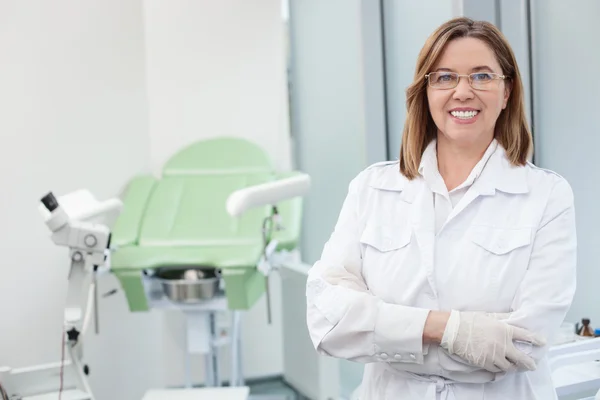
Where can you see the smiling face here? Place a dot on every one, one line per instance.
(463, 115)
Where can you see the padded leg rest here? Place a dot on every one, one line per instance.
(131, 283)
(243, 287)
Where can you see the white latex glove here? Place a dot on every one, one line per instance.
(499, 316)
(487, 343)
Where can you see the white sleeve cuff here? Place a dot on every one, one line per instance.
(398, 333)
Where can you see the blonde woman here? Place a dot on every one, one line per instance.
(449, 270)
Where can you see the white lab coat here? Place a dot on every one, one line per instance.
(509, 245)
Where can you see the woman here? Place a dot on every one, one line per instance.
(449, 269)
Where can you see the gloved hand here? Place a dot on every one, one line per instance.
(487, 343)
(498, 316)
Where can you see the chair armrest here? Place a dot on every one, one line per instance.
(291, 218)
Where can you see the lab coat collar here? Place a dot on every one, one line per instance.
(498, 174)
(429, 159)
(429, 163)
(428, 168)
(391, 179)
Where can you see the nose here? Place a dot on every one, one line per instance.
(463, 91)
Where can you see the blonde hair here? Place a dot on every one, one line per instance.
(511, 130)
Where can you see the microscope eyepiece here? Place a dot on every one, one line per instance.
(50, 202)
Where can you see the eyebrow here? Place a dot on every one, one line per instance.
(474, 69)
(482, 68)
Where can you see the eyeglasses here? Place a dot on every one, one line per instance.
(477, 80)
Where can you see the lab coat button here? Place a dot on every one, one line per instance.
(398, 357)
(383, 355)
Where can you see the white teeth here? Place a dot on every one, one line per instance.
(464, 114)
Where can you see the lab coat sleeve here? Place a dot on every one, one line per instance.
(547, 290)
(344, 319)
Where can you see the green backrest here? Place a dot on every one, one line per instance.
(187, 206)
(219, 156)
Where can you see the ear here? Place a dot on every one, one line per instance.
(507, 91)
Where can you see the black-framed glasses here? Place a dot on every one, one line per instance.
(477, 80)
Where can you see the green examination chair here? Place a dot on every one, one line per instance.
(180, 220)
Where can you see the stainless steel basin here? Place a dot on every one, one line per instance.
(189, 285)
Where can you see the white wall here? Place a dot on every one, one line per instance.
(216, 68)
(73, 115)
(79, 110)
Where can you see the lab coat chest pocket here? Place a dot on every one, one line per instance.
(385, 238)
(387, 253)
(502, 254)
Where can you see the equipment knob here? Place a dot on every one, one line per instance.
(77, 256)
(90, 240)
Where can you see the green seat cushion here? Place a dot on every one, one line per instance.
(150, 257)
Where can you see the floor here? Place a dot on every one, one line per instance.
(272, 387)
